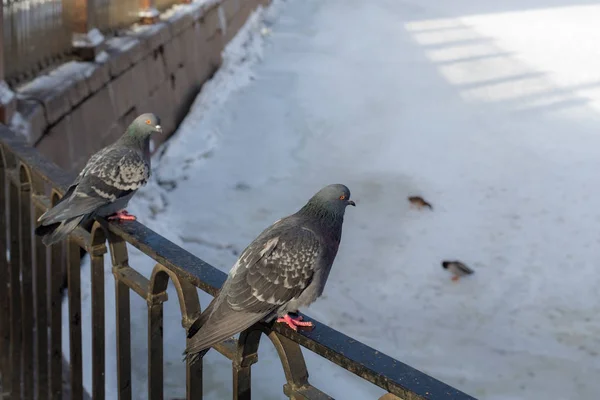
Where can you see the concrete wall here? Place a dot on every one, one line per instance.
(80, 107)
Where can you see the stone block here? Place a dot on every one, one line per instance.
(214, 51)
(34, 117)
(117, 129)
(162, 103)
(210, 22)
(201, 67)
(126, 90)
(55, 145)
(88, 45)
(155, 70)
(97, 75)
(173, 54)
(239, 19)
(231, 8)
(197, 9)
(197, 61)
(97, 114)
(74, 72)
(128, 118)
(49, 91)
(178, 19)
(113, 133)
(152, 36)
(8, 103)
(84, 137)
(123, 52)
(184, 90)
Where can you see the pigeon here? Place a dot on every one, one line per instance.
(105, 185)
(457, 269)
(419, 202)
(284, 268)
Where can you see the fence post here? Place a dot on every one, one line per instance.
(8, 101)
(148, 13)
(86, 39)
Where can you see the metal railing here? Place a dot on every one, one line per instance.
(34, 36)
(112, 15)
(38, 33)
(30, 285)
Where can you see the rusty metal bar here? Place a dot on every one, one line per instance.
(16, 338)
(26, 261)
(2, 45)
(157, 294)
(98, 314)
(7, 103)
(57, 260)
(193, 379)
(189, 305)
(292, 361)
(155, 348)
(42, 321)
(389, 396)
(74, 278)
(120, 260)
(133, 280)
(4, 275)
(246, 355)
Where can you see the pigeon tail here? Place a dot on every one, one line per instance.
(57, 231)
(215, 330)
(194, 357)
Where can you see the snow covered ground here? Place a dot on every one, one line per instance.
(490, 110)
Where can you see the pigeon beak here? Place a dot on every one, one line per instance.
(158, 128)
(351, 203)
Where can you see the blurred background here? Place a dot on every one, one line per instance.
(487, 110)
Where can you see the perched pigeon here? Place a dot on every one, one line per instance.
(284, 268)
(106, 184)
(457, 269)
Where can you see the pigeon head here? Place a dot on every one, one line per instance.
(139, 132)
(331, 200)
(145, 125)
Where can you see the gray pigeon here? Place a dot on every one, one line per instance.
(284, 268)
(106, 184)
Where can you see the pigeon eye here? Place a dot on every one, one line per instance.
(343, 197)
(148, 122)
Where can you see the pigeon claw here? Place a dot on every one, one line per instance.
(455, 278)
(122, 215)
(294, 323)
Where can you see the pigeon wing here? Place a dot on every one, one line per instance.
(270, 273)
(110, 174)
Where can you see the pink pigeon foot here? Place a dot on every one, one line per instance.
(294, 323)
(122, 215)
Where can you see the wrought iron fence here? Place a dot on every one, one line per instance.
(112, 15)
(38, 33)
(30, 348)
(34, 36)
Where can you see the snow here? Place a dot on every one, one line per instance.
(90, 39)
(489, 110)
(20, 125)
(6, 94)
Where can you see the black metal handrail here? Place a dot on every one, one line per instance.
(33, 184)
